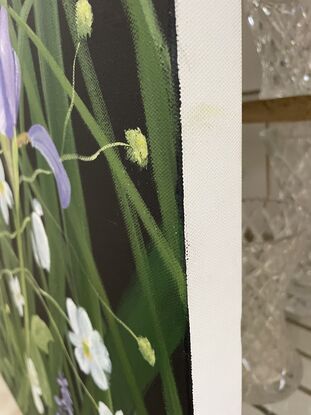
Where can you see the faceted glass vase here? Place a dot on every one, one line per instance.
(289, 156)
(272, 243)
(282, 31)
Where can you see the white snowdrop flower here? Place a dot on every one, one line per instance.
(6, 196)
(17, 296)
(104, 410)
(35, 385)
(36, 206)
(90, 350)
(39, 239)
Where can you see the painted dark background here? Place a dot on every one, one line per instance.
(113, 55)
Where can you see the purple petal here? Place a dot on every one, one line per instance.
(10, 79)
(41, 141)
(18, 82)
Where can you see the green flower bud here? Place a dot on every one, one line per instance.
(84, 19)
(146, 350)
(138, 149)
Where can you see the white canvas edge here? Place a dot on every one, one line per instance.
(209, 60)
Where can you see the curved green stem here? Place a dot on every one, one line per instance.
(36, 173)
(75, 156)
(67, 119)
(13, 235)
(107, 307)
(19, 242)
(37, 289)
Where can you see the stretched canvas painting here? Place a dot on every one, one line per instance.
(93, 299)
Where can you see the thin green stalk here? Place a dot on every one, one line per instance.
(36, 173)
(170, 392)
(107, 308)
(20, 250)
(59, 309)
(94, 156)
(72, 102)
(160, 102)
(38, 291)
(13, 235)
(5, 318)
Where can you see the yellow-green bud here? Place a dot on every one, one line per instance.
(146, 350)
(138, 150)
(84, 19)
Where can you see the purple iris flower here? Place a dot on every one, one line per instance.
(64, 401)
(40, 140)
(10, 84)
(10, 79)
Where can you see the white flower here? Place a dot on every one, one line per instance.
(6, 197)
(36, 206)
(104, 410)
(35, 385)
(17, 296)
(90, 350)
(39, 239)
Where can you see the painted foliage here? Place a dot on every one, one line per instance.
(93, 289)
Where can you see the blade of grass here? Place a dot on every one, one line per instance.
(170, 392)
(154, 73)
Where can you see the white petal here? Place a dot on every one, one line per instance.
(72, 312)
(36, 206)
(119, 413)
(2, 175)
(16, 285)
(84, 323)
(18, 299)
(13, 284)
(82, 361)
(99, 376)
(34, 249)
(100, 352)
(75, 339)
(4, 208)
(8, 195)
(20, 308)
(36, 394)
(32, 373)
(40, 242)
(103, 409)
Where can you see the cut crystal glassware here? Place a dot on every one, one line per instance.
(290, 161)
(282, 31)
(272, 243)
